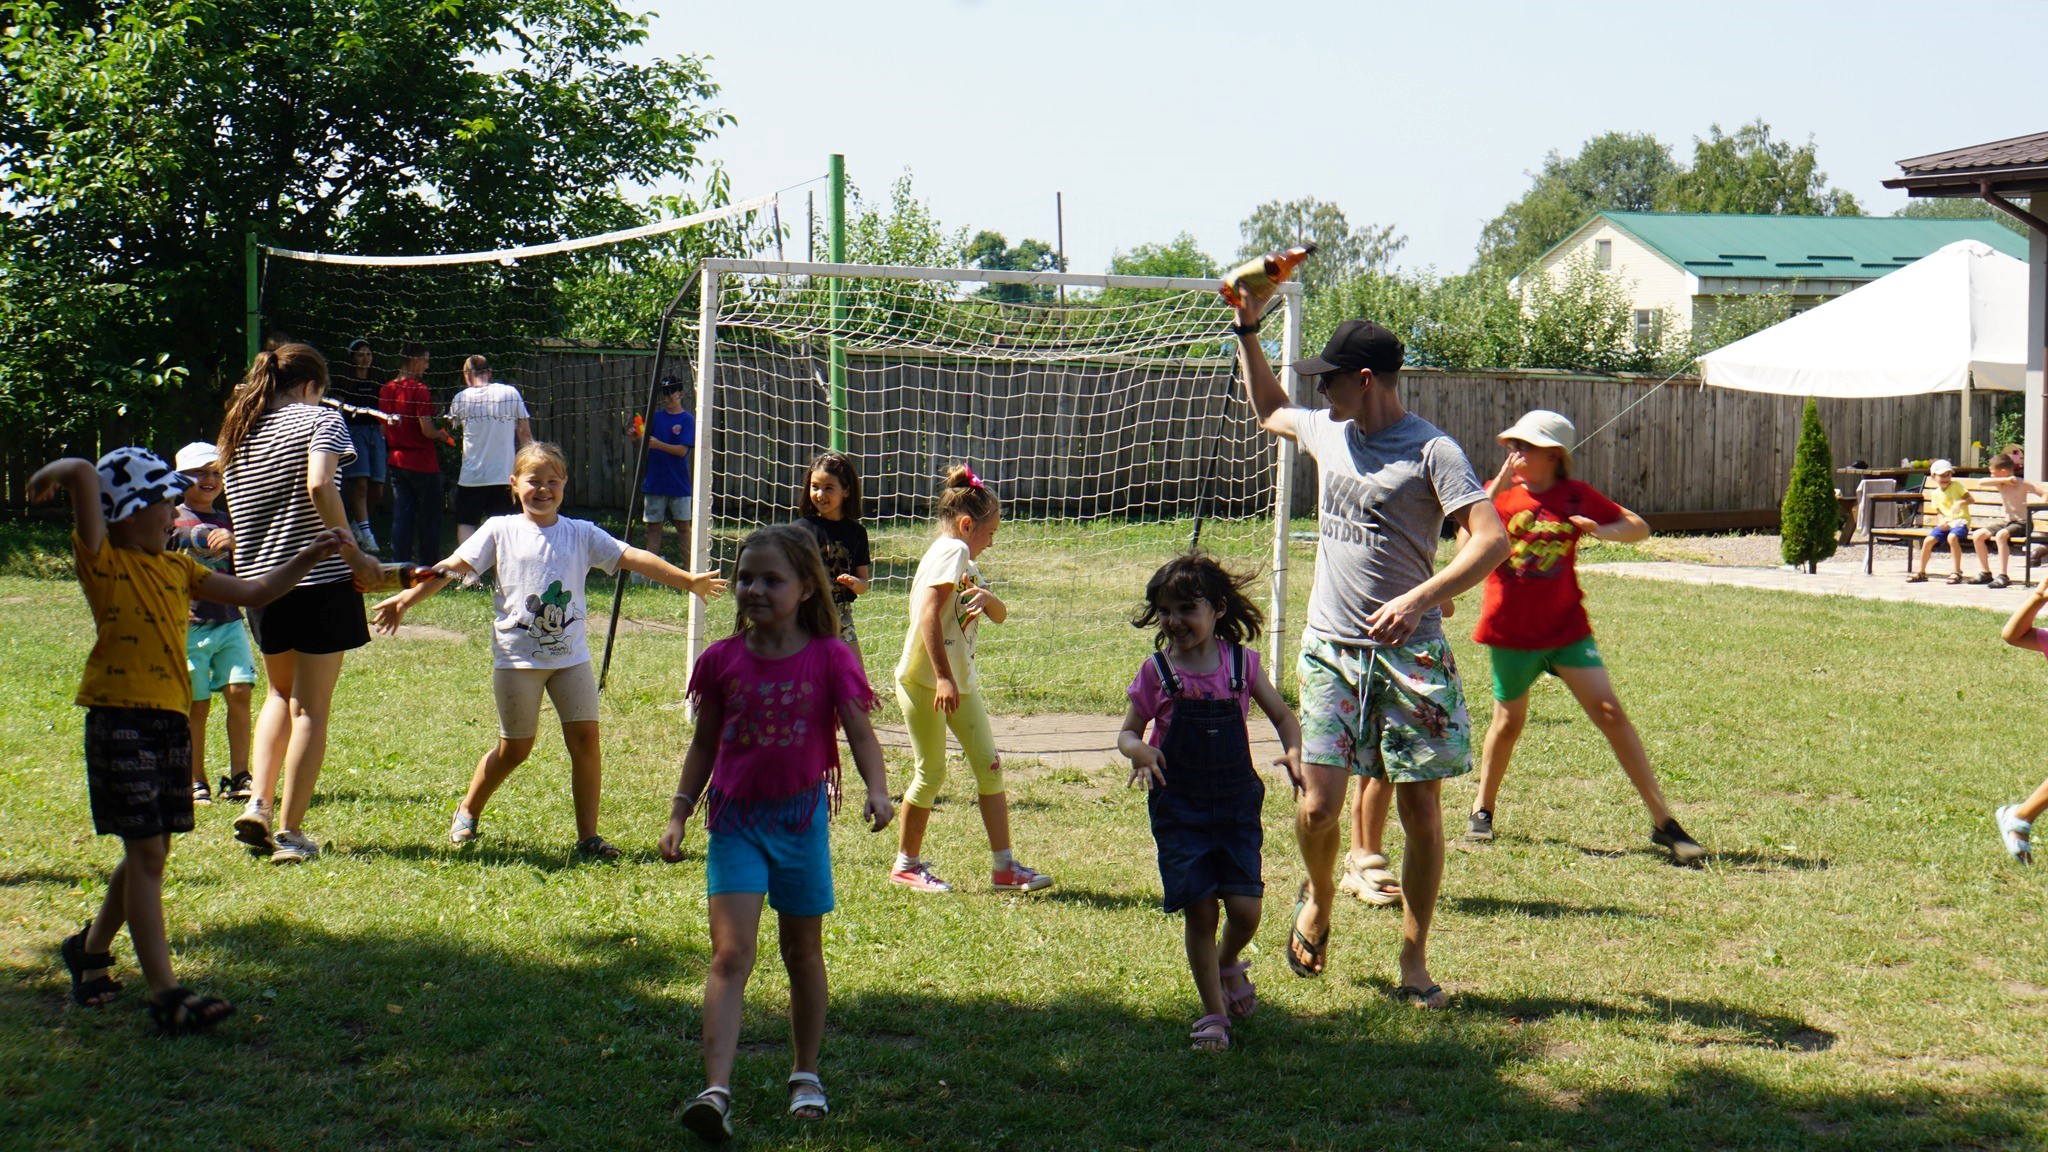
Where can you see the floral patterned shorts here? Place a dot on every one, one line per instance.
(1391, 713)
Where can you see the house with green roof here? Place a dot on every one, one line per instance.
(1675, 263)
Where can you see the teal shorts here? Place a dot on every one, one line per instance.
(218, 655)
(1516, 670)
(792, 867)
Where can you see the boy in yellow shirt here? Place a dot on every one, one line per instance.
(1951, 520)
(136, 692)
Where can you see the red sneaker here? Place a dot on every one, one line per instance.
(1018, 878)
(919, 878)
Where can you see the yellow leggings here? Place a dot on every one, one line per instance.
(928, 743)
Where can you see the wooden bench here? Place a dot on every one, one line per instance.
(1985, 509)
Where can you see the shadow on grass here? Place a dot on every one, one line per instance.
(1744, 859)
(485, 852)
(61, 878)
(583, 1036)
(1104, 901)
(1538, 909)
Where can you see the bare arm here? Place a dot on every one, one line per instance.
(1502, 480)
(705, 584)
(2019, 630)
(983, 601)
(387, 615)
(855, 581)
(81, 479)
(867, 759)
(522, 433)
(320, 471)
(1284, 723)
(1626, 530)
(222, 588)
(1269, 400)
(696, 775)
(932, 602)
(1482, 545)
(1147, 762)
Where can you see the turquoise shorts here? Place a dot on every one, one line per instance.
(1516, 670)
(794, 868)
(218, 655)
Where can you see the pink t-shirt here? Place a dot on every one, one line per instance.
(1153, 701)
(781, 721)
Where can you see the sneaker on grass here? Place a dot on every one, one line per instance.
(252, 827)
(1018, 878)
(294, 848)
(919, 878)
(1683, 848)
(1479, 825)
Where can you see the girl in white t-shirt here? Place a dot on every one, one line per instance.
(537, 641)
(937, 687)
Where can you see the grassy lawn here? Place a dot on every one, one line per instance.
(1859, 968)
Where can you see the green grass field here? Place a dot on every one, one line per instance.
(1859, 968)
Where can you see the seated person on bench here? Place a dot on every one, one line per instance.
(1951, 520)
(2013, 494)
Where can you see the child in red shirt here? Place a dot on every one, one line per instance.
(1532, 616)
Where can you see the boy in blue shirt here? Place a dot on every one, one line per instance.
(665, 493)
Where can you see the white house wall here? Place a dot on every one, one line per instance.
(1654, 282)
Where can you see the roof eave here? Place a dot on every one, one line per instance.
(1973, 181)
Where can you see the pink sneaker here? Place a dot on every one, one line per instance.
(919, 878)
(1019, 879)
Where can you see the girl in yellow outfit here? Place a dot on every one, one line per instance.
(1952, 511)
(937, 688)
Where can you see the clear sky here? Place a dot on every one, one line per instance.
(1155, 118)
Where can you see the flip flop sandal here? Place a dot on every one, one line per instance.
(87, 993)
(709, 1115)
(808, 1094)
(1431, 998)
(1211, 1034)
(1315, 950)
(179, 1012)
(1240, 995)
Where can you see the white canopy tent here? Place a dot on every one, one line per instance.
(1949, 322)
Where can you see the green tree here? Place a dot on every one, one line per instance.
(1581, 318)
(1180, 256)
(1959, 208)
(1614, 171)
(1342, 251)
(140, 142)
(1810, 520)
(1749, 172)
(991, 252)
(1722, 320)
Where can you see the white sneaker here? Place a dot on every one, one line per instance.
(366, 539)
(294, 848)
(252, 827)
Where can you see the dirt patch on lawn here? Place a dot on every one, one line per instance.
(428, 632)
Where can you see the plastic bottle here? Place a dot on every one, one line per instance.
(399, 577)
(1253, 281)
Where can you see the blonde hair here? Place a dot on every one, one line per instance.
(276, 371)
(538, 452)
(965, 494)
(816, 613)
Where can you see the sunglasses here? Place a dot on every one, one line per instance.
(1324, 381)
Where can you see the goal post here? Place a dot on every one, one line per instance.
(1113, 429)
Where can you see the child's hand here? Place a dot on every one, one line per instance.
(708, 585)
(671, 843)
(851, 583)
(320, 547)
(1290, 763)
(1587, 525)
(879, 810)
(1147, 765)
(389, 614)
(1447, 609)
(946, 696)
(977, 601)
(220, 540)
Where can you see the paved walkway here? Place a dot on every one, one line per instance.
(1071, 740)
(1840, 576)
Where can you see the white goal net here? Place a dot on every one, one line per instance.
(1102, 410)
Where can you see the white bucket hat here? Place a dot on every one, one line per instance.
(1941, 468)
(1544, 430)
(196, 455)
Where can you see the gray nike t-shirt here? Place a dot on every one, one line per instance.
(1381, 504)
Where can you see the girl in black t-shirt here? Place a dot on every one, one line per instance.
(830, 508)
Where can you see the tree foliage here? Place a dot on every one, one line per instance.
(1960, 208)
(1749, 171)
(1342, 251)
(990, 251)
(1722, 320)
(141, 141)
(1809, 521)
(1614, 171)
(1180, 256)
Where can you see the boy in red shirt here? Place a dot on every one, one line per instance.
(415, 472)
(1532, 616)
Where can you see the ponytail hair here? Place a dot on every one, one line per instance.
(965, 494)
(816, 613)
(276, 371)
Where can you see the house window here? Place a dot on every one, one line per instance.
(1603, 254)
(1648, 326)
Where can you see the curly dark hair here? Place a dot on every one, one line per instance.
(1199, 576)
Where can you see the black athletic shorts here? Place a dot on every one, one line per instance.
(313, 618)
(138, 768)
(478, 503)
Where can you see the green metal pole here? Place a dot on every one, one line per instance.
(835, 204)
(252, 287)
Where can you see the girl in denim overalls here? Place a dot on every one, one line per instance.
(1204, 792)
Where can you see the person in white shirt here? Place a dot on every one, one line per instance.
(494, 428)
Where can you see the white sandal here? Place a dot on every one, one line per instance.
(1371, 879)
(809, 1092)
(709, 1115)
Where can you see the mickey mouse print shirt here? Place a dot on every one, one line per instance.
(1532, 601)
(539, 594)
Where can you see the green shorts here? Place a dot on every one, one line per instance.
(1391, 713)
(1516, 670)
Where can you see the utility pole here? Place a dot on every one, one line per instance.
(835, 207)
(1059, 224)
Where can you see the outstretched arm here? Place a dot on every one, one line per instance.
(1274, 407)
(222, 588)
(81, 478)
(389, 614)
(2019, 630)
(705, 584)
(1626, 530)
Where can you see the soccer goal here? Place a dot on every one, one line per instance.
(1103, 410)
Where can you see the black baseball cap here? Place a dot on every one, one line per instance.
(1354, 345)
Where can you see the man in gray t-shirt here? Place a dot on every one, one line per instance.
(1380, 696)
